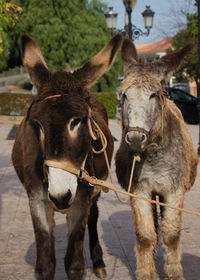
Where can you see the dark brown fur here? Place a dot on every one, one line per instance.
(46, 133)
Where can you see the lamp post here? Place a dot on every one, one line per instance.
(198, 78)
(148, 15)
(130, 30)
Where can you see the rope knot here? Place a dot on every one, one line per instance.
(137, 158)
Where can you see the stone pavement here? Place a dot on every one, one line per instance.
(17, 246)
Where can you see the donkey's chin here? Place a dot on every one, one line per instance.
(137, 148)
(62, 188)
(136, 140)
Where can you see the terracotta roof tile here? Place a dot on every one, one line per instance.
(155, 47)
(13, 87)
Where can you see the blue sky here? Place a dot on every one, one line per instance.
(167, 12)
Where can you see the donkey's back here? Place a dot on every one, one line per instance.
(183, 142)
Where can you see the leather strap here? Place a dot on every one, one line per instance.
(80, 173)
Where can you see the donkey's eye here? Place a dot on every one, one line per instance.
(153, 95)
(74, 123)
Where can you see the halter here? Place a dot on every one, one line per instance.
(81, 173)
(52, 96)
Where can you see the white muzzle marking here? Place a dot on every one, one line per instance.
(60, 182)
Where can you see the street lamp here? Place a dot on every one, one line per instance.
(148, 18)
(111, 19)
(130, 30)
(133, 31)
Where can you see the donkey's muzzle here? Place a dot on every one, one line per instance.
(62, 202)
(136, 138)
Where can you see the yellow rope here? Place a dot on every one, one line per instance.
(155, 202)
(104, 145)
(103, 139)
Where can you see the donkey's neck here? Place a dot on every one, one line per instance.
(170, 136)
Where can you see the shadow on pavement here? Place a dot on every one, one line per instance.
(12, 133)
(191, 267)
(60, 233)
(11, 188)
(119, 239)
(119, 250)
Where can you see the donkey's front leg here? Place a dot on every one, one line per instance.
(43, 222)
(171, 227)
(77, 218)
(95, 247)
(146, 239)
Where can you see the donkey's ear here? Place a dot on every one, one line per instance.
(129, 54)
(33, 61)
(100, 63)
(165, 66)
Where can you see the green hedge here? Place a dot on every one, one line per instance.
(15, 104)
(109, 100)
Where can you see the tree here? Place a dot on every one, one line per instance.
(68, 32)
(190, 34)
(174, 19)
(9, 14)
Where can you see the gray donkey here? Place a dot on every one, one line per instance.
(153, 127)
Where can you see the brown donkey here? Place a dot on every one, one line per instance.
(58, 128)
(153, 127)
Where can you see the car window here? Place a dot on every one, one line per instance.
(180, 95)
(174, 95)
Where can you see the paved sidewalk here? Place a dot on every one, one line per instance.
(17, 246)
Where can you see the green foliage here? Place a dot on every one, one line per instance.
(4, 55)
(109, 100)
(9, 14)
(192, 26)
(189, 35)
(67, 32)
(16, 104)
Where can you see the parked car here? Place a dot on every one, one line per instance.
(186, 102)
(180, 82)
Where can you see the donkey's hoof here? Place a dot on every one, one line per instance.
(43, 276)
(147, 276)
(100, 273)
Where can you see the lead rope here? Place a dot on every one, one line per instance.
(104, 145)
(135, 158)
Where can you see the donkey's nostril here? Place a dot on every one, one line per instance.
(144, 138)
(127, 138)
(61, 202)
(67, 197)
(136, 139)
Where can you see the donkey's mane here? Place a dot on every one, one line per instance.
(139, 79)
